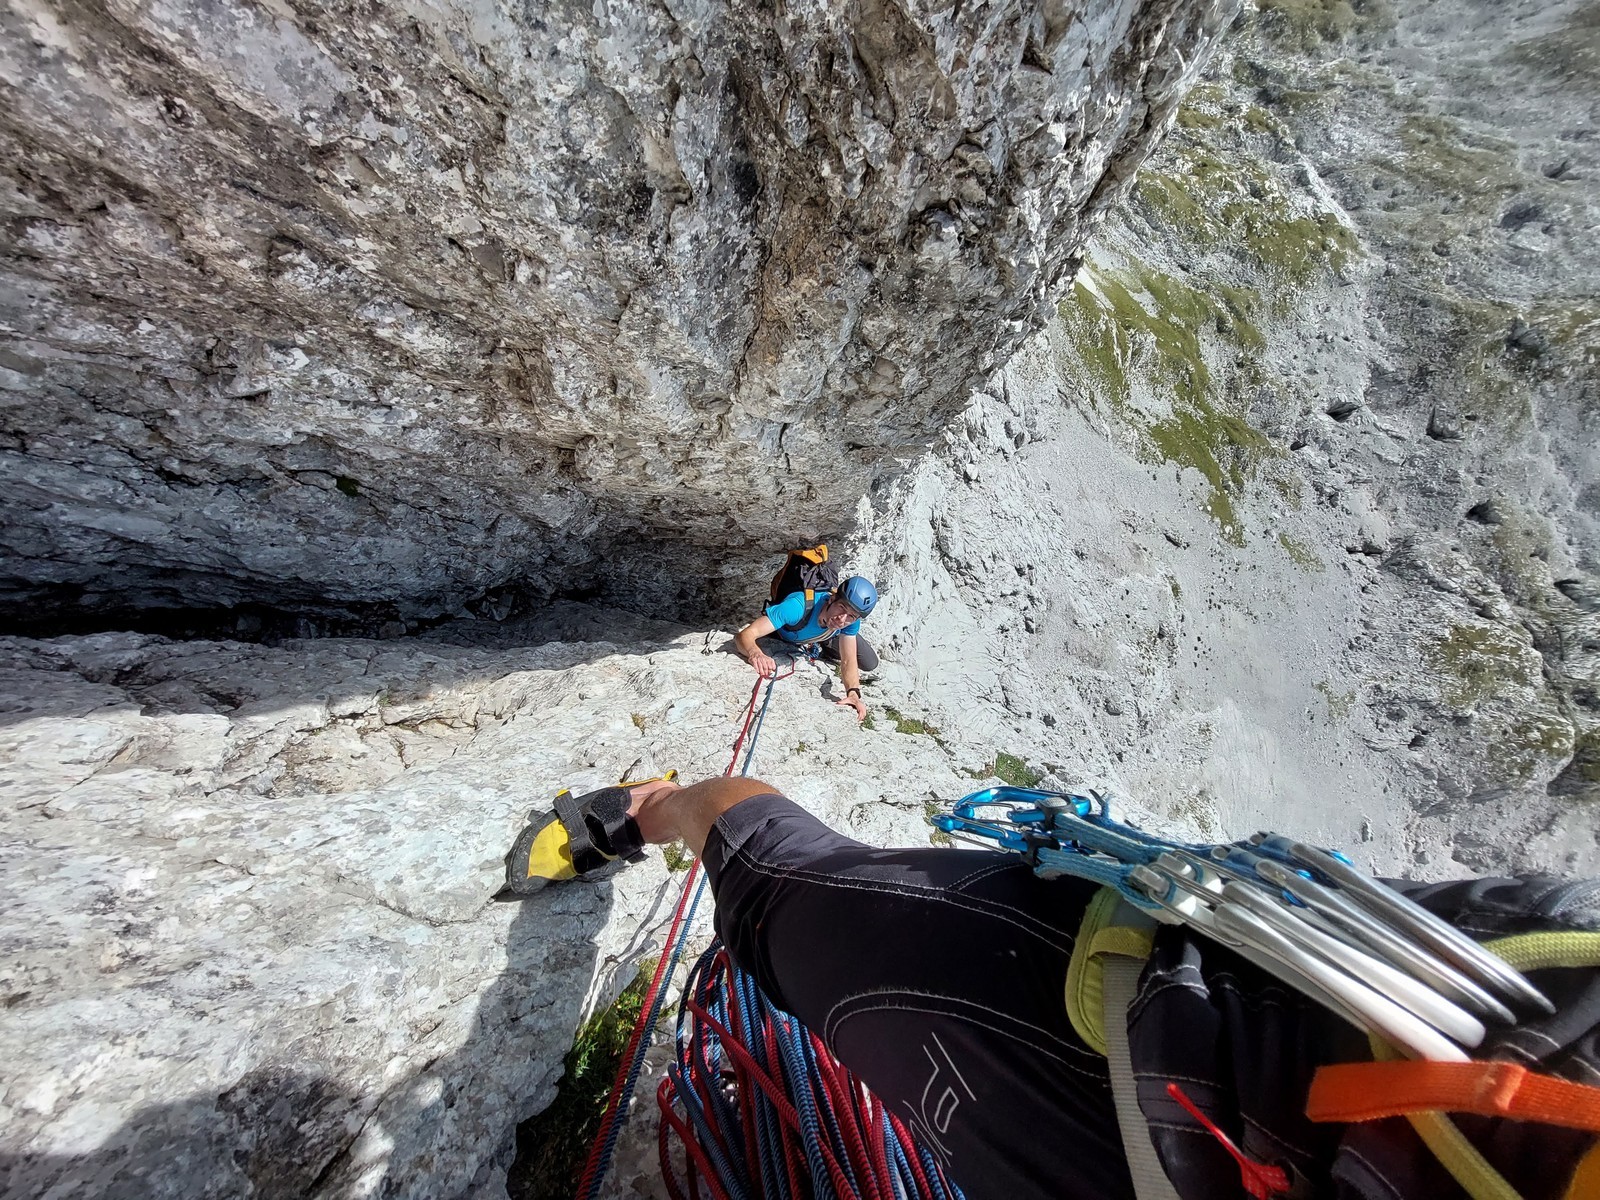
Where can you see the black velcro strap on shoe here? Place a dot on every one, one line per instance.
(599, 828)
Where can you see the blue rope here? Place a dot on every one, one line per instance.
(936, 1181)
(805, 1099)
(732, 998)
(769, 1137)
(625, 1101)
(795, 1067)
(905, 1180)
(721, 1134)
(755, 732)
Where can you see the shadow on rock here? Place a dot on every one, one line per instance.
(273, 1133)
(443, 1128)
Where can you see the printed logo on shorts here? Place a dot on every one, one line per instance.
(930, 1118)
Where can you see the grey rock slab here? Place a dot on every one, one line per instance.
(218, 978)
(1344, 628)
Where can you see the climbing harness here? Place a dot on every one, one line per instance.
(1304, 915)
(762, 1110)
(1420, 988)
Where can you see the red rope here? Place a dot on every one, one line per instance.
(591, 1166)
(749, 715)
(691, 1147)
(669, 1177)
(765, 1082)
(836, 1091)
(912, 1156)
(794, 1164)
(747, 1116)
(843, 1102)
(879, 1150)
(774, 1091)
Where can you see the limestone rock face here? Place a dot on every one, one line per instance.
(250, 946)
(1286, 518)
(338, 303)
(1307, 462)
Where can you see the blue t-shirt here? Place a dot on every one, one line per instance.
(793, 606)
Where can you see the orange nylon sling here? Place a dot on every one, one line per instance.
(1368, 1091)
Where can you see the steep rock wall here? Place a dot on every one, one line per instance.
(394, 304)
(1308, 459)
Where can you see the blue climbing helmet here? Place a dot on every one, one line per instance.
(859, 594)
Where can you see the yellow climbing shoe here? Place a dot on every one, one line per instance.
(583, 834)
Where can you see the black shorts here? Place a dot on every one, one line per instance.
(938, 976)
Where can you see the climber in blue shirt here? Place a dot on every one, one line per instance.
(826, 623)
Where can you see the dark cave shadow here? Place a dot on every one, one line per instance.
(222, 677)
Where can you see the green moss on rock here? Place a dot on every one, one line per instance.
(552, 1146)
(677, 856)
(1572, 331)
(1147, 322)
(1289, 486)
(1532, 743)
(1306, 24)
(1570, 54)
(1293, 247)
(1549, 734)
(1479, 663)
(1470, 335)
(904, 724)
(1222, 447)
(1209, 202)
(1581, 776)
(1444, 157)
(1300, 554)
(1339, 703)
(1011, 769)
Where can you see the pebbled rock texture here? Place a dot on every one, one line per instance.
(394, 304)
(250, 946)
(1310, 536)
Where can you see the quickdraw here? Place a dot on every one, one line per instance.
(1305, 915)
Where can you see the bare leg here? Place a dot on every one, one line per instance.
(668, 811)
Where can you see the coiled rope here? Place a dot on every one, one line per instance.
(762, 1111)
(616, 1114)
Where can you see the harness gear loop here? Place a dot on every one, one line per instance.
(1308, 917)
(1479, 1179)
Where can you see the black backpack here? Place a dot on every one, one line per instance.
(805, 570)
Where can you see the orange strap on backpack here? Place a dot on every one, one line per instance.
(1368, 1091)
